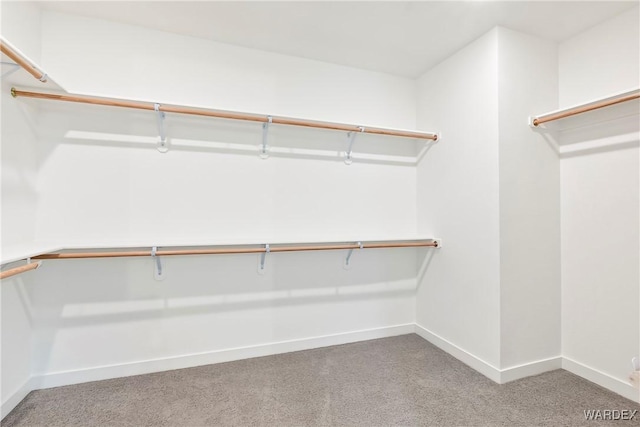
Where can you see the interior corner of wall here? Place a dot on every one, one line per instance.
(16, 397)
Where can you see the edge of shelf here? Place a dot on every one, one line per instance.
(634, 91)
(245, 242)
(23, 253)
(22, 76)
(222, 114)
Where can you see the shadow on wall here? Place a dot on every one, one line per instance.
(601, 131)
(19, 170)
(61, 123)
(424, 259)
(103, 292)
(108, 290)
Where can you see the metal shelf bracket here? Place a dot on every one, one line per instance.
(264, 148)
(263, 259)
(163, 145)
(351, 137)
(158, 272)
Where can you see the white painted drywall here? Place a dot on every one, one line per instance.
(18, 154)
(102, 183)
(600, 207)
(21, 25)
(92, 314)
(492, 187)
(529, 202)
(140, 63)
(600, 61)
(18, 200)
(198, 192)
(600, 255)
(16, 341)
(19, 171)
(458, 185)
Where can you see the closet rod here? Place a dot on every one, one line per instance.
(584, 108)
(180, 109)
(17, 270)
(22, 61)
(170, 252)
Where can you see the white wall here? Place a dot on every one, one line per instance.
(27, 38)
(16, 342)
(458, 186)
(529, 202)
(101, 182)
(139, 63)
(19, 171)
(117, 315)
(19, 197)
(221, 196)
(600, 61)
(18, 201)
(492, 296)
(600, 208)
(552, 208)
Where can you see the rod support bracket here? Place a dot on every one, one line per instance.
(351, 137)
(438, 243)
(347, 260)
(264, 148)
(263, 258)
(43, 78)
(532, 122)
(158, 272)
(163, 145)
(13, 92)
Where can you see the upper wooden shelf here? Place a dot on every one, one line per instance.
(616, 105)
(223, 114)
(29, 69)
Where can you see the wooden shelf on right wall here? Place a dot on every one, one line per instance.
(609, 108)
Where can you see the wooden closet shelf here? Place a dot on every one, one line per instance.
(583, 108)
(232, 115)
(244, 249)
(223, 249)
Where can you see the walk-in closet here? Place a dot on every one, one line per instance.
(411, 213)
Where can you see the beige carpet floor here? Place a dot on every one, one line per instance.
(392, 381)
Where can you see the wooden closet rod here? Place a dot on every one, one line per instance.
(180, 109)
(214, 251)
(17, 270)
(587, 107)
(21, 61)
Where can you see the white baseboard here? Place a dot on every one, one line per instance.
(500, 376)
(485, 368)
(16, 397)
(529, 369)
(56, 379)
(602, 379)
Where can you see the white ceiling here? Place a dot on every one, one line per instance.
(397, 37)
